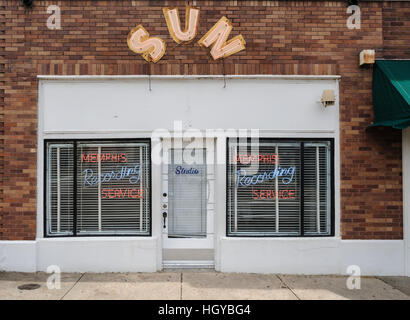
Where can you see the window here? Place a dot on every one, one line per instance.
(98, 188)
(279, 187)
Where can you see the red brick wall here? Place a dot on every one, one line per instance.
(2, 83)
(283, 37)
(396, 31)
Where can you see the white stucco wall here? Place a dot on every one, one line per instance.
(312, 256)
(98, 254)
(124, 107)
(18, 256)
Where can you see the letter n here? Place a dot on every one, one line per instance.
(217, 37)
(139, 41)
(174, 24)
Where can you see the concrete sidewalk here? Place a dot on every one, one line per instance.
(199, 284)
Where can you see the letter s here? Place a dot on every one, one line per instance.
(139, 41)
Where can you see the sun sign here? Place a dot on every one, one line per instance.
(174, 24)
(216, 38)
(153, 48)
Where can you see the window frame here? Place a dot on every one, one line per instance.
(332, 188)
(45, 184)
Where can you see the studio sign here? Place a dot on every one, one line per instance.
(152, 49)
(182, 170)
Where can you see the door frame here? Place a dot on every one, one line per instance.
(189, 243)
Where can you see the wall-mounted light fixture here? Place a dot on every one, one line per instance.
(367, 57)
(328, 98)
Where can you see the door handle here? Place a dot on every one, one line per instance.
(164, 215)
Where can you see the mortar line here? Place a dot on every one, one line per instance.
(73, 286)
(286, 285)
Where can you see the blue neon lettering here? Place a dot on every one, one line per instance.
(286, 173)
(133, 174)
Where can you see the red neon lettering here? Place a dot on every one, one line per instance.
(261, 158)
(95, 157)
(122, 193)
(265, 194)
(85, 158)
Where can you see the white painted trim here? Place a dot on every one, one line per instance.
(406, 197)
(40, 163)
(220, 202)
(188, 264)
(188, 77)
(190, 243)
(176, 135)
(156, 197)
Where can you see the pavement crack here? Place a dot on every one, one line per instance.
(286, 285)
(182, 279)
(78, 280)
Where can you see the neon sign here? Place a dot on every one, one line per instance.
(270, 158)
(174, 24)
(132, 173)
(104, 157)
(216, 38)
(267, 194)
(286, 173)
(122, 193)
(121, 180)
(152, 49)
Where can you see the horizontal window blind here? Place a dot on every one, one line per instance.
(112, 189)
(187, 195)
(317, 188)
(60, 189)
(264, 194)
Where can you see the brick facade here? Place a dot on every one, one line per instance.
(283, 37)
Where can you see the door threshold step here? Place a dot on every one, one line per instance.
(188, 264)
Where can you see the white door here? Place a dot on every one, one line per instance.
(187, 206)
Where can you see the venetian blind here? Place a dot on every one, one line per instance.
(113, 188)
(187, 195)
(112, 193)
(264, 188)
(59, 188)
(317, 188)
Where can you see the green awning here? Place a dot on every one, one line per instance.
(391, 93)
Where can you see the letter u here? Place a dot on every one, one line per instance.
(174, 24)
